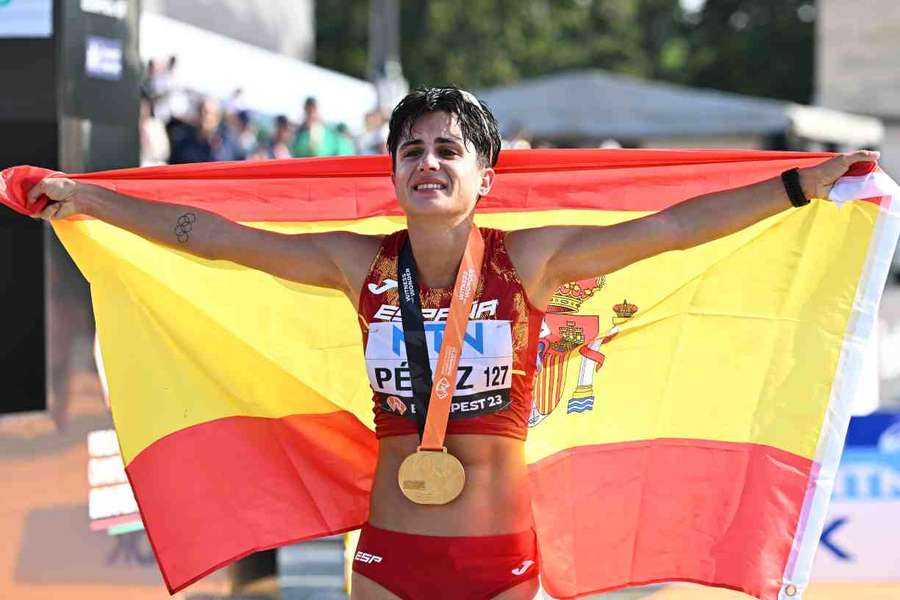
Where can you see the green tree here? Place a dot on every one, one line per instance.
(757, 47)
(479, 43)
(491, 42)
(342, 34)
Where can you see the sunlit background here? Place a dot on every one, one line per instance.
(101, 84)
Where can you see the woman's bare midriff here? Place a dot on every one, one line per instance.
(494, 501)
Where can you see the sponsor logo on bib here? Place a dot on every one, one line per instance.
(483, 377)
(480, 310)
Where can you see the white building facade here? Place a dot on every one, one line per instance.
(857, 48)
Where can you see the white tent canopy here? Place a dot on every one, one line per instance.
(594, 105)
(272, 83)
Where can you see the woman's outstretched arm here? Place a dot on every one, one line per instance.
(332, 259)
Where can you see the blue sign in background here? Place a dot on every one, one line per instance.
(859, 540)
(873, 429)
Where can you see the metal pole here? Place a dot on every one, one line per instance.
(385, 69)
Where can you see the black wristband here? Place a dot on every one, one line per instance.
(791, 181)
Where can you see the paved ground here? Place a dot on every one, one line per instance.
(817, 591)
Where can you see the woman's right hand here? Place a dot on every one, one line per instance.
(61, 191)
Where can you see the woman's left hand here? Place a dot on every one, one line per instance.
(817, 181)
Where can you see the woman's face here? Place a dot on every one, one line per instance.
(437, 174)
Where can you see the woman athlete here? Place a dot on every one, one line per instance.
(444, 144)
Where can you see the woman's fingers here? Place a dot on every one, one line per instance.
(861, 156)
(817, 181)
(51, 211)
(840, 164)
(45, 213)
(58, 189)
(34, 193)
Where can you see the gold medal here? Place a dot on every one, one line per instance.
(431, 476)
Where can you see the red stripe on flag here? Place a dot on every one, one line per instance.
(347, 188)
(716, 513)
(213, 493)
(356, 187)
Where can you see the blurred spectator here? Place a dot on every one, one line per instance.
(346, 145)
(519, 140)
(279, 145)
(154, 139)
(170, 99)
(151, 81)
(315, 137)
(374, 139)
(206, 141)
(232, 107)
(235, 103)
(246, 135)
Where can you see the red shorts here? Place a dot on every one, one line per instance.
(459, 568)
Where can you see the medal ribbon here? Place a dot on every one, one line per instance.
(432, 398)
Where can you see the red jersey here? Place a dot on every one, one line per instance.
(496, 369)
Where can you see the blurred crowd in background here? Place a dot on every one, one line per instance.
(179, 125)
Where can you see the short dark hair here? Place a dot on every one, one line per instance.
(476, 121)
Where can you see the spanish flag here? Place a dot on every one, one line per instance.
(689, 410)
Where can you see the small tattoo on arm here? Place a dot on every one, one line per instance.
(184, 225)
